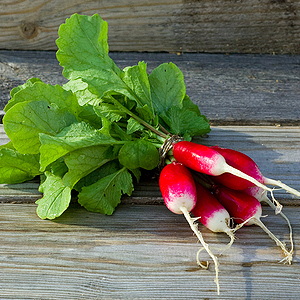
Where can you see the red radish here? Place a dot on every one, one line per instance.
(179, 193)
(245, 208)
(211, 213)
(178, 188)
(257, 193)
(210, 162)
(245, 164)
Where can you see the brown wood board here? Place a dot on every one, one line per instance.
(251, 26)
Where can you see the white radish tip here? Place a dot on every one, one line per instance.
(174, 202)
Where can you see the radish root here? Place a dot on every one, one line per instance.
(268, 201)
(232, 239)
(288, 254)
(241, 174)
(230, 233)
(222, 249)
(194, 227)
(282, 185)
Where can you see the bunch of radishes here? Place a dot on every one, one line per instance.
(227, 186)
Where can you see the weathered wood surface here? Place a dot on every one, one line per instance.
(251, 26)
(229, 89)
(140, 252)
(144, 251)
(276, 150)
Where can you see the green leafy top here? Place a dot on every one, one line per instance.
(97, 130)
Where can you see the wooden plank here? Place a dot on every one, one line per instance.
(174, 26)
(140, 252)
(229, 89)
(276, 150)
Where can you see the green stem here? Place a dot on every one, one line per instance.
(164, 130)
(138, 119)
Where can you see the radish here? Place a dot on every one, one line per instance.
(245, 164)
(178, 188)
(210, 162)
(211, 213)
(179, 193)
(243, 207)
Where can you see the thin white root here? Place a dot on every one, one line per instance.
(268, 201)
(219, 249)
(239, 226)
(282, 185)
(241, 174)
(278, 206)
(288, 254)
(200, 264)
(194, 227)
(230, 233)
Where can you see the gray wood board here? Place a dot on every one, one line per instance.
(276, 150)
(229, 89)
(140, 252)
(253, 26)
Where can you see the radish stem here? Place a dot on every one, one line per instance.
(164, 130)
(138, 119)
(194, 227)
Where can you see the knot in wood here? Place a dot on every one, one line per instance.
(29, 30)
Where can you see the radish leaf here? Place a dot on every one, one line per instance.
(16, 167)
(167, 87)
(136, 78)
(139, 154)
(14, 91)
(26, 120)
(101, 172)
(76, 136)
(83, 46)
(56, 197)
(83, 53)
(84, 161)
(133, 126)
(104, 195)
(185, 122)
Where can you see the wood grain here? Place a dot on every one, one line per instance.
(229, 89)
(140, 252)
(223, 26)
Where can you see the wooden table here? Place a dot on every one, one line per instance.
(252, 26)
(143, 251)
